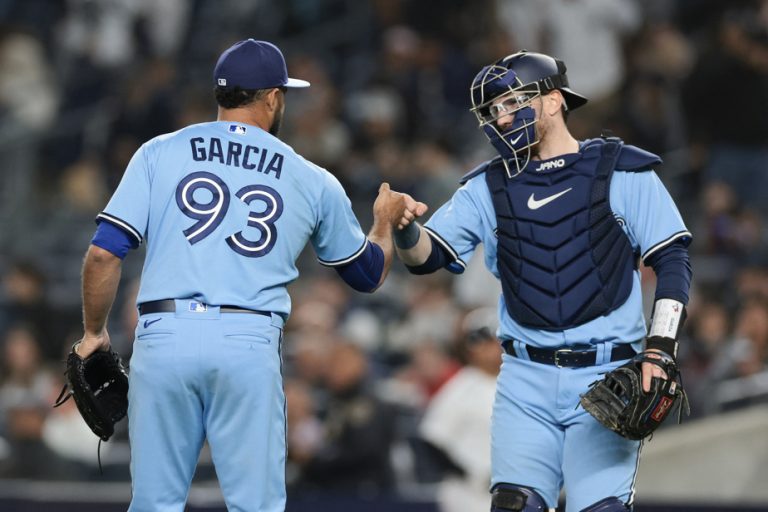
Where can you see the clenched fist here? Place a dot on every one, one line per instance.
(396, 208)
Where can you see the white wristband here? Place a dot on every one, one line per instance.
(667, 314)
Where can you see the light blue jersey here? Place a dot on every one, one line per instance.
(225, 210)
(643, 208)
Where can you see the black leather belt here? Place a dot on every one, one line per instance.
(570, 358)
(169, 306)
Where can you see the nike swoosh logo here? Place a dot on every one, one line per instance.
(147, 323)
(535, 204)
(514, 141)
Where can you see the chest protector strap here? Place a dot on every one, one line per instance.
(569, 262)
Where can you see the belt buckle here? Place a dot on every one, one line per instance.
(557, 356)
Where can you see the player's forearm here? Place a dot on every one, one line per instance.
(101, 277)
(381, 234)
(413, 247)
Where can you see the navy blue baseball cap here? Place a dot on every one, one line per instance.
(252, 64)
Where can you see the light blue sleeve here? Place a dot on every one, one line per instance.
(458, 226)
(337, 238)
(129, 206)
(651, 215)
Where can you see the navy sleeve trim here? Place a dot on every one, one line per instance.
(344, 261)
(677, 236)
(364, 273)
(114, 239)
(121, 224)
(447, 248)
(437, 259)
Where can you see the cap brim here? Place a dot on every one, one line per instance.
(572, 99)
(296, 83)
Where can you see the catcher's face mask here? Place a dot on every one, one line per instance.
(503, 107)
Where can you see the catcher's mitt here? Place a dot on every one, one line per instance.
(99, 384)
(619, 402)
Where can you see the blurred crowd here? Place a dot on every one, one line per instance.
(84, 82)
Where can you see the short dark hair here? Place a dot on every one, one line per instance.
(234, 97)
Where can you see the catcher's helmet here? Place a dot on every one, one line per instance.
(518, 78)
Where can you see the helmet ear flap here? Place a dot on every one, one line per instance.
(561, 69)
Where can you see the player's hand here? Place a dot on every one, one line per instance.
(91, 343)
(651, 370)
(395, 208)
(413, 210)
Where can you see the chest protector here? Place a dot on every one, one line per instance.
(562, 256)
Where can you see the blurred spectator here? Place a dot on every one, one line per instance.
(149, 103)
(752, 282)
(111, 33)
(27, 392)
(476, 286)
(734, 134)
(28, 93)
(375, 113)
(305, 430)
(66, 434)
(24, 381)
(430, 367)
(432, 313)
(359, 431)
(731, 229)
(708, 356)
(24, 300)
(308, 355)
(457, 420)
(436, 173)
(314, 127)
(587, 34)
(752, 327)
(661, 58)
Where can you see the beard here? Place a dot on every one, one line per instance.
(276, 122)
(274, 129)
(541, 131)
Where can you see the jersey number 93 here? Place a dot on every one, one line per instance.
(210, 214)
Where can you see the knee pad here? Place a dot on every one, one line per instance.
(516, 498)
(611, 504)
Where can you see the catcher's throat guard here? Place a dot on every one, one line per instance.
(619, 402)
(99, 385)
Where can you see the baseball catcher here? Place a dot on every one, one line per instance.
(565, 223)
(99, 384)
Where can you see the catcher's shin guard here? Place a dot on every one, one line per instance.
(611, 504)
(515, 498)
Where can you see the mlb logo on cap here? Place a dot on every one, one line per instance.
(253, 64)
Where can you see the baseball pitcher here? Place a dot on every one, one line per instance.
(224, 208)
